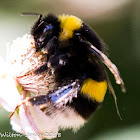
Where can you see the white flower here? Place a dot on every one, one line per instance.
(16, 74)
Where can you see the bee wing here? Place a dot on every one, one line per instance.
(112, 67)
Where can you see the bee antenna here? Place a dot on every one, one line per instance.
(31, 14)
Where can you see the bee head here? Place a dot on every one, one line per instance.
(44, 30)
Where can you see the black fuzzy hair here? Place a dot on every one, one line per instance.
(91, 36)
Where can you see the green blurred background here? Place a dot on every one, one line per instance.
(118, 24)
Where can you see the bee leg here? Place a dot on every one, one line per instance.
(41, 69)
(50, 48)
(22, 102)
(58, 97)
(37, 100)
(58, 60)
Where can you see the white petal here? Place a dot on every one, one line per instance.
(9, 95)
(15, 122)
(46, 126)
(27, 123)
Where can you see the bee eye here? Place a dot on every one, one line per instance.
(47, 31)
(48, 28)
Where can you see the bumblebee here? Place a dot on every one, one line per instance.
(74, 55)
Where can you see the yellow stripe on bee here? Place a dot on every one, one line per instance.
(95, 90)
(68, 24)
